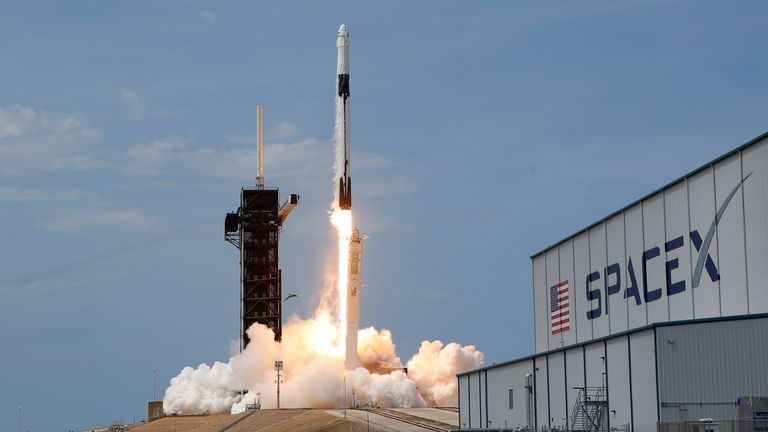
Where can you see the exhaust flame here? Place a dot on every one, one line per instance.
(342, 221)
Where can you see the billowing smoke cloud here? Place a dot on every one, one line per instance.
(202, 390)
(314, 375)
(434, 370)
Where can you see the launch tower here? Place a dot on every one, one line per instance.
(255, 230)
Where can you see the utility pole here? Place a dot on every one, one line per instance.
(154, 384)
(18, 426)
(278, 369)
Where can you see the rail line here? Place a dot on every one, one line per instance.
(449, 409)
(394, 415)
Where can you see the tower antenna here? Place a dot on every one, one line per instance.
(260, 146)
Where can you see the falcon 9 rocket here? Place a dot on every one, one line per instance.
(342, 91)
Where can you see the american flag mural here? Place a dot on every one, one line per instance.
(558, 307)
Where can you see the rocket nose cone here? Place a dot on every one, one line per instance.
(343, 30)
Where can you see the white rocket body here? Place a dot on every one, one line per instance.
(353, 298)
(342, 93)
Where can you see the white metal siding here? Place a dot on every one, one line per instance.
(473, 392)
(653, 230)
(558, 416)
(704, 367)
(566, 273)
(755, 161)
(464, 400)
(619, 409)
(730, 239)
(541, 391)
(540, 305)
(482, 398)
(643, 375)
(553, 278)
(575, 369)
(581, 254)
(500, 380)
(676, 223)
(617, 304)
(633, 218)
(597, 257)
(594, 354)
(701, 199)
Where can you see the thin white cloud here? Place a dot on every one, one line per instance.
(35, 140)
(241, 139)
(208, 16)
(17, 194)
(163, 184)
(149, 158)
(282, 131)
(386, 186)
(139, 110)
(301, 163)
(85, 219)
(372, 160)
(305, 158)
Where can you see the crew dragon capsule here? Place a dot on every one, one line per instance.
(342, 92)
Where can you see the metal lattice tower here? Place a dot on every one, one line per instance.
(255, 230)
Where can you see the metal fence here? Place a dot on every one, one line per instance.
(520, 428)
(715, 426)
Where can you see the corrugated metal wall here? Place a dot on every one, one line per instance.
(655, 235)
(500, 381)
(620, 403)
(642, 374)
(464, 401)
(612, 362)
(704, 367)
(675, 373)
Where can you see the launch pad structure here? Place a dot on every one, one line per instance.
(255, 230)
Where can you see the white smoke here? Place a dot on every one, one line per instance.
(202, 390)
(314, 375)
(435, 366)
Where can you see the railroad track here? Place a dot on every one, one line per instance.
(451, 409)
(394, 415)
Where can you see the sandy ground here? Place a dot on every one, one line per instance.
(298, 420)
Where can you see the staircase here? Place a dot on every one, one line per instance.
(589, 409)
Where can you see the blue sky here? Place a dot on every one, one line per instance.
(481, 131)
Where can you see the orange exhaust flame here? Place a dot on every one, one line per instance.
(342, 221)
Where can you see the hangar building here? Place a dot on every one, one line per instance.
(651, 319)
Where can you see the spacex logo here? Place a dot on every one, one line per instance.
(642, 293)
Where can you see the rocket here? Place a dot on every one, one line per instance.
(342, 92)
(354, 283)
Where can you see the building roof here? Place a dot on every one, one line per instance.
(668, 185)
(624, 333)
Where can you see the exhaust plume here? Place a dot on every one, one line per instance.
(314, 372)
